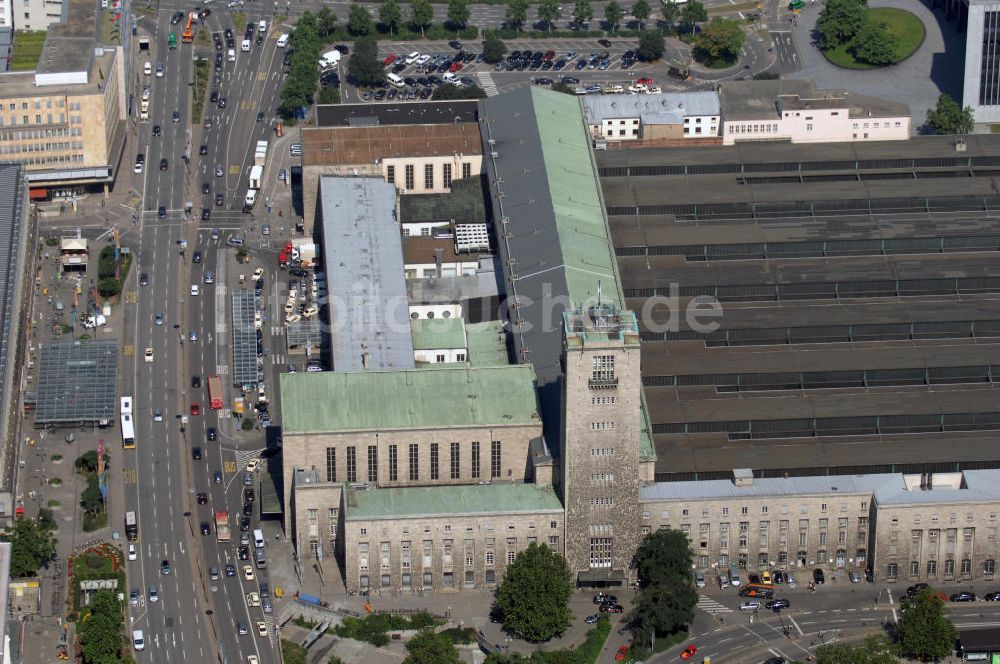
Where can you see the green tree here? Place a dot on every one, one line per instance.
(641, 10)
(874, 45)
(329, 95)
(950, 118)
(719, 41)
(46, 519)
(451, 91)
(428, 647)
(493, 47)
(875, 650)
(613, 14)
(691, 14)
(533, 597)
(924, 632)
(667, 595)
(651, 45)
(360, 21)
(32, 546)
(517, 13)
(421, 14)
(840, 21)
(91, 500)
(458, 13)
(390, 14)
(100, 632)
(87, 462)
(549, 12)
(583, 12)
(563, 88)
(671, 13)
(326, 22)
(364, 67)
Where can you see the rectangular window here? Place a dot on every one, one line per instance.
(475, 460)
(352, 465)
(428, 176)
(390, 174)
(456, 465)
(372, 464)
(392, 463)
(495, 458)
(447, 175)
(466, 170)
(434, 461)
(410, 178)
(414, 462)
(600, 552)
(331, 464)
(603, 368)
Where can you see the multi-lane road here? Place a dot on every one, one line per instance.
(194, 618)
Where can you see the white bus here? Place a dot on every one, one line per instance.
(128, 432)
(126, 408)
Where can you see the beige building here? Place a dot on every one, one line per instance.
(66, 122)
(652, 117)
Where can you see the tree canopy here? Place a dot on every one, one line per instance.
(583, 12)
(421, 14)
(874, 45)
(691, 13)
(533, 597)
(458, 13)
(429, 647)
(493, 48)
(326, 22)
(517, 13)
(642, 10)
(651, 45)
(360, 21)
(667, 595)
(875, 650)
(100, 632)
(840, 21)
(452, 91)
(720, 40)
(671, 12)
(613, 14)
(950, 118)
(924, 632)
(549, 12)
(390, 14)
(364, 67)
(32, 546)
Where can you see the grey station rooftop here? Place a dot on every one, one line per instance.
(76, 383)
(363, 253)
(367, 115)
(859, 287)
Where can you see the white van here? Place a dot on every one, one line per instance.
(262, 26)
(450, 78)
(283, 40)
(138, 640)
(147, 68)
(394, 79)
(258, 538)
(251, 197)
(231, 55)
(412, 57)
(245, 46)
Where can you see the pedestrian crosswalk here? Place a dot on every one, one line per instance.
(277, 359)
(712, 607)
(243, 456)
(487, 84)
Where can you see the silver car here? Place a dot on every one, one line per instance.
(218, 171)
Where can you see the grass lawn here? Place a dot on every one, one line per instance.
(909, 31)
(27, 49)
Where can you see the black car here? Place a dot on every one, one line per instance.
(913, 590)
(205, 187)
(604, 598)
(777, 604)
(161, 212)
(342, 49)
(202, 149)
(964, 596)
(248, 495)
(818, 577)
(206, 214)
(196, 453)
(176, 18)
(611, 608)
(570, 80)
(143, 279)
(205, 528)
(753, 578)
(543, 81)
(243, 552)
(457, 45)
(991, 597)
(195, 382)
(164, 164)
(196, 257)
(202, 498)
(247, 509)
(165, 568)
(244, 524)
(606, 43)
(219, 199)
(156, 130)
(222, 102)
(260, 117)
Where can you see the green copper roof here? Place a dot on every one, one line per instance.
(487, 344)
(587, 251)
(496, 499)
(450, 396)
(435, 333)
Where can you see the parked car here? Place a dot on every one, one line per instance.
(964, 596)
(777, 604)
(854, 576)
(699, 579)
(750, 605)
(590, 620)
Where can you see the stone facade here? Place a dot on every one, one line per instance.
(443, 553)
(600, 459)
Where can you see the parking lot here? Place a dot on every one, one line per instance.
(582, 63)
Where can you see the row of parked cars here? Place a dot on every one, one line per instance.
(427, 63)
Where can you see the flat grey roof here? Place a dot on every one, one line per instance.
(424, 112)
(363, 255)
(668, 108)
(751, 99)
(76, 383)
(245, 368)
(13, 209)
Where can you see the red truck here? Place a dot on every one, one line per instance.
(215, 392)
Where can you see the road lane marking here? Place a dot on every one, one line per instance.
(798, 629)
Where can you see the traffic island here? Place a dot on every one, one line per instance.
(888, 37)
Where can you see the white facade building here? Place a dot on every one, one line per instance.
(796, 112)
(632, 117)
